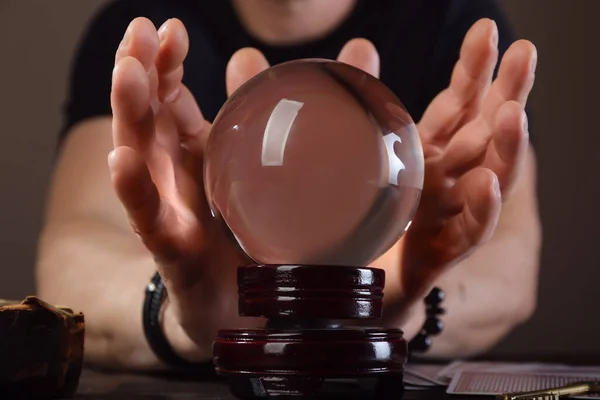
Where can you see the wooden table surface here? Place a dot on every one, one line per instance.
(96, 385)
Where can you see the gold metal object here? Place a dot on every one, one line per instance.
(553, 393)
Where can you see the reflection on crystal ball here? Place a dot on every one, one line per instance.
(314, 162)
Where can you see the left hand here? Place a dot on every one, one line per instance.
(475, 139)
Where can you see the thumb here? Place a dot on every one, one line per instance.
(243, 65)
(361, 54)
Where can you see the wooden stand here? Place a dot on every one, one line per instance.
(307, 348)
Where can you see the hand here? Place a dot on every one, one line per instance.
(475, 141)
(159, 135)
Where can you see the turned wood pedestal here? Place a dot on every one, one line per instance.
(310, 347)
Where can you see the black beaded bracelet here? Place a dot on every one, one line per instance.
(433, 324)
(155, 297)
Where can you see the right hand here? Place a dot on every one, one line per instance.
(159, 135)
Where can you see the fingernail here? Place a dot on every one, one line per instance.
(525, 122)
(494, 39)
(496, 187)
(114, 73)
(533, 65)
(111, 161)
(126, 39)
(162, 32)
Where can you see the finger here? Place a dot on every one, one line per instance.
(133, 119)
(361, 54)
(471, 78)
(151, 218)
(192, 126)
(174, 46)
(132, 86)
(169, 85)
(193, 134)
(467, 149)
(243, 65)
(139, 41)
(507, 152)
(515, 80)
(477, 196)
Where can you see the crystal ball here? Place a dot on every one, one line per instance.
(314, 162)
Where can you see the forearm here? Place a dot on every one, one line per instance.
(90, 259)
(486, 296)
(482, 308)
(102, 271)
(488, 293)
(495, 289)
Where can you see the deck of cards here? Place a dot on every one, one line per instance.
(497, 378)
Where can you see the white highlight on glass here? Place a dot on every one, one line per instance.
(277, 132)
(395, 164)
(382, 350)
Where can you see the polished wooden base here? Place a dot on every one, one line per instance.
(301, 387)
(305, 350)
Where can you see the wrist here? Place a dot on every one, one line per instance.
(415, 318)
(164, 334)
(179, 339)
(419, 320)
(403, 311)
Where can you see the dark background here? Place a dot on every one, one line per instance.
(37, 38)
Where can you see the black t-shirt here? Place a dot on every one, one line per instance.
(418, 42)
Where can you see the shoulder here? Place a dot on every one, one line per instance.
(459, 17)
(106, 29)
(88, 92)
(467, 11)
(89, 85)
(112, 18)
(435, 19)
(421, 45)
(462, 14)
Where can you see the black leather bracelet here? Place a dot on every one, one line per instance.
(155, 297)
(433, 324)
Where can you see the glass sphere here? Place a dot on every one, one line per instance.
(314, 162)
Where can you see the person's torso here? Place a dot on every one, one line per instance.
(405, 33)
